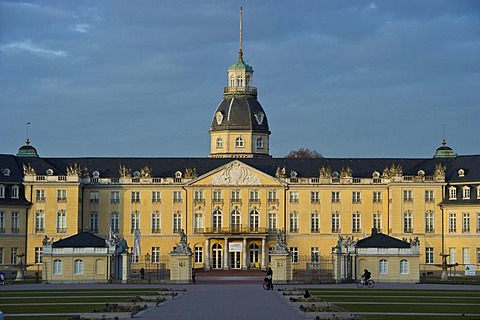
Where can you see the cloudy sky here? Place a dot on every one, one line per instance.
(143, 78)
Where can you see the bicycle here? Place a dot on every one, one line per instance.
(369, 283)
(266, 284)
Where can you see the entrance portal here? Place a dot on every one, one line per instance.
(217, 256)
(235, 260)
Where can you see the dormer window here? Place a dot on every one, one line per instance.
(178, 175)
(461, 173)
(293, 174)
(15, 192)
(239, 143)
(6, 172)
(452, 193)
(421, 173)
(136, 174)
(466, 192)
(259, 143)
(2, 191)
(49, 172)
(96, 174)
(376, 175)
(478, 195)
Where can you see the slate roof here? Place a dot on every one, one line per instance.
(380, 240)
(81, 240)
(239, 114)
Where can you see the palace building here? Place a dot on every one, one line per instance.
(232, 203)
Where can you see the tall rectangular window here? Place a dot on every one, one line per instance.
(40, 221)
(198, 195)
(15, 222)
(466, 193)
(61, 221)
(156, 197)
(15, 192)
(315, 222)
(1, 255)
(429, 196)
(272, 195)
(177, 196)
(155, 254)
(404, 268)
(61, 195)
(115, 222)
(335, 222)
(177, 221)
(235, 195)
(466, 255)
(272, 222)
(198, 254)
(377, 221)
(429, 222)
(452, 222)
(478, 222)
(452, 193)
(335, 196)
(294, 251)
(114, 196)
(452, 258)
(156, 228)
(429, 255)
(93, 222)
(198, 223)
(57, 267)
(40, 195)
(254, 195)
(478, 256)
(294, 222)
(294, 197)
(2, 191)
(14, 255)
(356, 197)
(377, 196)
(383, 266)
(356, 222)
(314, 255)
(2, 222)
(407, 195)
(93, 197)
(408, 221)
(78, 267)
(314, 196)
(135, 195)
(38, 255)
(217, 195)
(465, 222)
(134, 221)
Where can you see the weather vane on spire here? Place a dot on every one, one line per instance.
(240, 54)
(27, 124)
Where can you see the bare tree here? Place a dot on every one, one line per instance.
(303, 153)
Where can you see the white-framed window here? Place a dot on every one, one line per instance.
(259, 143)
(61, 221)
(452, 258)
(177, 221)
(239, 81)
(93, 221)
(314, 196)
(177, 196)
(335, 196)
(377, 196)
(198, 254)
(78, 267)
(15, 225)
(466, 255)
(235, 195)
(408, 221)
(114, 196)
(198, 222)
(335, 222)
(407, 195)
(254, 195)
(156, 222)
(429, 195)
(272, 195)
(57, 267)
(452, 222)
(356, 222)
(254, 220)
(135, 196)
(15, 192)
(294, 251)
(452, 193)
(404, 267)
(478, 192)
(61, 195)
(235, 219)
(356, 197)
(294, 197)
(466, 192)
(115, 222)
(314, 255)
(383, 266)
(239, 142)
(219, 143)
(2, 191)
(377, 221)
(272, 221)
(40, 221)
(14, 255)
(429, 221)
(465, 222)
(40, 195)
(232, 82)
(134, 221)
(38, 255)
(478, 256)
(156, 197)
(2, 222)
(217, 195)
(156, 255)
(198, 195)
(429, 255)
(294, 222)
(315, 222)
(217, 219)
(93, 196)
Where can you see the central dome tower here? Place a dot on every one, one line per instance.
(239, 127)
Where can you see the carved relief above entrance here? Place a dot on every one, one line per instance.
(235, 174)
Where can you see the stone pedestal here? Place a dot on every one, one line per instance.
(282, 267)
(180, 267)
(125, 258)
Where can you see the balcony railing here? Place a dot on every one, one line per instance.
(235, 229)
(244, 90)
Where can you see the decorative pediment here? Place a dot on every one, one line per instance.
(236, 174)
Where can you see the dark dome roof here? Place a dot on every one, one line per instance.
(27, 150)
(240, 113)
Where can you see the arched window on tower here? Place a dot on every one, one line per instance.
(232, 82)
(219, 143)
(248, 81)
(239, 81)
(239, 143)
(259, 143)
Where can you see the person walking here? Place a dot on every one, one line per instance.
(270, 277)
(194, 281)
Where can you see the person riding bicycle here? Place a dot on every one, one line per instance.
(269, 278)
(366, 275)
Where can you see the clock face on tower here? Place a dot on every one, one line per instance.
(259, 117)
(219, 117)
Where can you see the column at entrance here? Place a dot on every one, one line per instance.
(225, 260)
(244, 251)
(207, 254)
(264, 255)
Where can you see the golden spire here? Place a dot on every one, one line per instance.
(240, 54)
